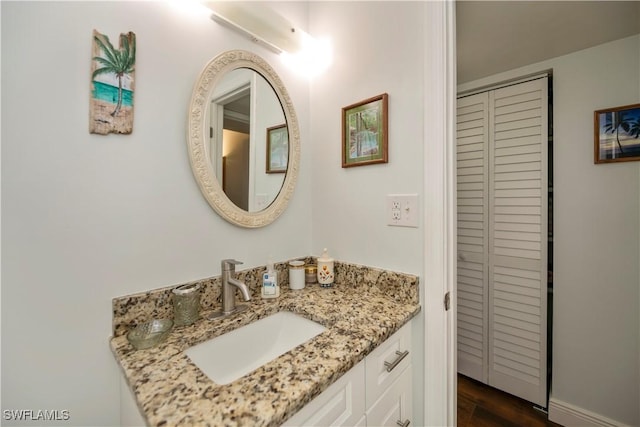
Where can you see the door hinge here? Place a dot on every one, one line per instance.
(447, 301)
(210, 132)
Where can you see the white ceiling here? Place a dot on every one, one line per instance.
(496, 36)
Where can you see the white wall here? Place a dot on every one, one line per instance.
(596, 325)
(368, 61)
(378, 48)
(86, 217)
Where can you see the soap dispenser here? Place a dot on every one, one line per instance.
(270, 287)
(325, 270)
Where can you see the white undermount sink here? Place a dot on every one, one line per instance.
(230, 356)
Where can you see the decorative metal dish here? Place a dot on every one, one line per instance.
(150, 334)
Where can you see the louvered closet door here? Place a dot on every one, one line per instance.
(473, 235)
(518, 239)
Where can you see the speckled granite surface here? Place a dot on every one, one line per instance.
(365, 307)
(131, 310)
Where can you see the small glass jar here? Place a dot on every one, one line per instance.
(186, 304)
(296, 274)
(311, 274)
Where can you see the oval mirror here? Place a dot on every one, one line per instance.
(243, 139)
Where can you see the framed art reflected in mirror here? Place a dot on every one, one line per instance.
(277, 149)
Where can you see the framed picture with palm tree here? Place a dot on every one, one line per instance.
(112, 84)
(617, 134)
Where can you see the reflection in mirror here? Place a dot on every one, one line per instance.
(247, 144)
(240, 103)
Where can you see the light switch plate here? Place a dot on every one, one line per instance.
(402, 210)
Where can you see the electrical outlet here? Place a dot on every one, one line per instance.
(402, 210)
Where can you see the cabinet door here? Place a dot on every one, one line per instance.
(394, 407)
(472, 148)
(518, 240)
(387, 362)
(341, 404)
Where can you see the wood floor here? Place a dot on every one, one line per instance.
(482, 406)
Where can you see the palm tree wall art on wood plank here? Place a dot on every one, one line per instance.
(617, 134)
(112, 84)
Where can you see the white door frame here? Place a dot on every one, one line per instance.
(440, 382)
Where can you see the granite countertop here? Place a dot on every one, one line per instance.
(172, 391)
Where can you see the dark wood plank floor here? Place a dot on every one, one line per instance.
(482, 406)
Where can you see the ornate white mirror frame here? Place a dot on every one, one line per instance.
(198, 129)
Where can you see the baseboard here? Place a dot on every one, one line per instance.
(569, 415)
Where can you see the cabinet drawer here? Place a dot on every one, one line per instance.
(394, 407)
(341, 404)
(387, 362)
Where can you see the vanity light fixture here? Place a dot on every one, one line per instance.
(259, 23)
(315, 57)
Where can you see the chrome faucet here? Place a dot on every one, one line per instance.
(229, 283)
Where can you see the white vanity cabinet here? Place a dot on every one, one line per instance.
(375, 392)
(394, 406)
(388, 380)
(341, 404)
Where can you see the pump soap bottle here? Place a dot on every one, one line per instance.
(270, 287)
(325, 270)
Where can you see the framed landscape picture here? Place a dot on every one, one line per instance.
(364, 132)
(617, 134)
(277, 149)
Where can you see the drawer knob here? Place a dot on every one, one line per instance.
(391, 365)
(403, 424)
